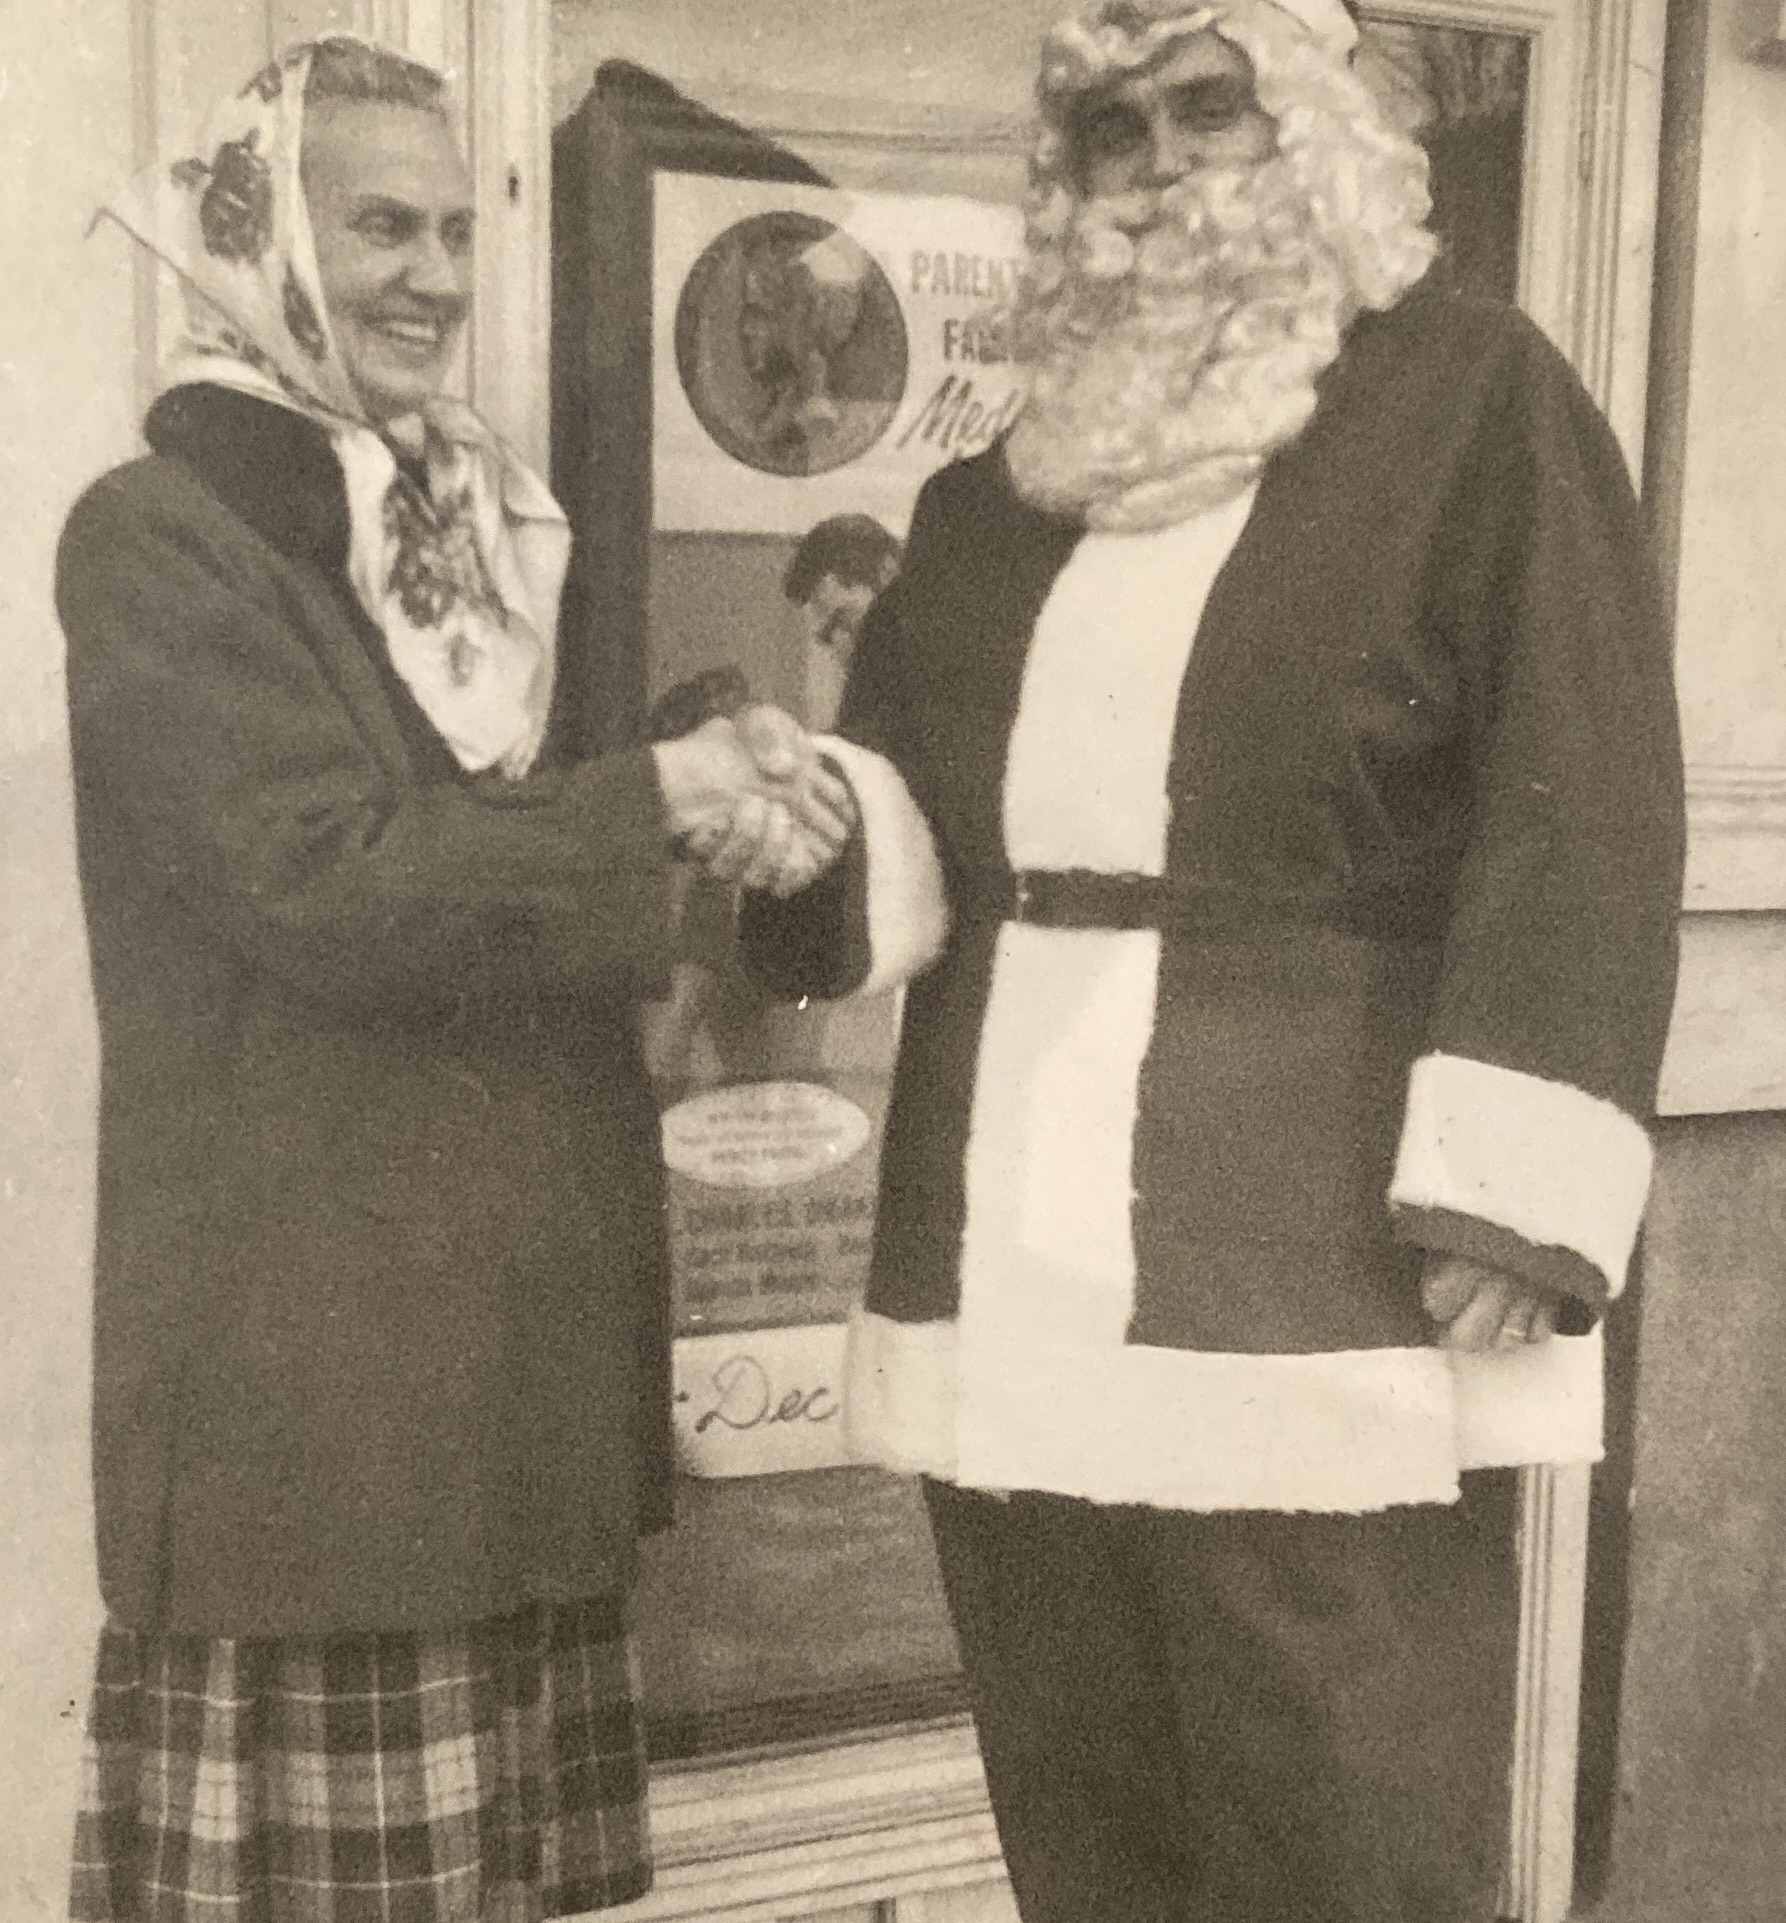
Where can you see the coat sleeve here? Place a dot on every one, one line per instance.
(208, 738)
(1523, 1143)
(881, 915)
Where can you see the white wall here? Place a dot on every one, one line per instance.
(80, 84)
(975, 56)
(66, 411)
(1732, 609)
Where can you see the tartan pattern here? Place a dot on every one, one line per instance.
(488, 1773)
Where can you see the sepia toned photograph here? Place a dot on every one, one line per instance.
(895, 958)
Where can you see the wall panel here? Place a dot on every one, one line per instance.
(68, 407)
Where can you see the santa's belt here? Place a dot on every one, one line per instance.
(1090, 898)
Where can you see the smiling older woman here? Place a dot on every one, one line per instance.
(381, 1386)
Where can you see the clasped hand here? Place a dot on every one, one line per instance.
(750, 799)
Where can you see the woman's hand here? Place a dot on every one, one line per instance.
(787, 833)
(1482, 1308)
(704, 776)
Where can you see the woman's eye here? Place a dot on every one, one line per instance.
(382, 229)
(455, 235)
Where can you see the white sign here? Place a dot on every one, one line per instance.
(760, 1402)
(763, 1135)
(818, 352)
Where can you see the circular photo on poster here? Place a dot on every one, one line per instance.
(791, 345)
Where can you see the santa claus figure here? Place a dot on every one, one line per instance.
(1270, 796)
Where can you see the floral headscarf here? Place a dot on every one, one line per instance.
(462, 575)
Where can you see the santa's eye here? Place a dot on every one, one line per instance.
(1107, 131)
(1210, 106)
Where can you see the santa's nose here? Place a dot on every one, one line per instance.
(1173, 150)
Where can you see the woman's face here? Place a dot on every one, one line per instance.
(390, 209)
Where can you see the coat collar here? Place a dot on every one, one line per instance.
(278, 474)
(267, 464)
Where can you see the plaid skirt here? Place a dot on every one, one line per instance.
(492, 1772)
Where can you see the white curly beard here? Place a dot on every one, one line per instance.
(1175, 339)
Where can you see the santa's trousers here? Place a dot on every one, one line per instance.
(1247, 1718)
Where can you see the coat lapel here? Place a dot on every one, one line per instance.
(276, 472)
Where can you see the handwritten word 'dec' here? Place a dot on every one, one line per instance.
(762, 1402)
(744, 1397)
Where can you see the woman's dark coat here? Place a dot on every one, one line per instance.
(381, 1292)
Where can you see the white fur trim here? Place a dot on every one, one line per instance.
(900, 1394)
(908, 911)
(1183, 1430)
(1051, 1394)
(1343, 1432)
(1042, 1389)
(1328, 24)
(1541, 1403)
(1049, 1238)
(1085, 776)
(1556, 1166)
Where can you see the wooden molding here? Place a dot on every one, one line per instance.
(437, 32)
(1736, 840)
(1553, 1534)
(1727, 1042)
(1620, 100)
(145, 105)
(1593, 115)
(1772, 51)
(759, 1838)
(508, 90)
(388, 22)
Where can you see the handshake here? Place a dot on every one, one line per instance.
(750, 799)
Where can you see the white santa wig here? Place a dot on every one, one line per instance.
(1220, 367)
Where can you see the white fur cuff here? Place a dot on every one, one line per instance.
(1549, 1163)
(908, 911)
(900, 1391)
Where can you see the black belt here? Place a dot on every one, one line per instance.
(1087, 898)
(1084, 898)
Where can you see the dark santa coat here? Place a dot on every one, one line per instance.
(1396, 740)
(381, 1291)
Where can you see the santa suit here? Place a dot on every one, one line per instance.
(1282, 895)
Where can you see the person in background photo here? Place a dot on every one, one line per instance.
(381, 1399)
(1270, 790)
(833, 578)
(800, 303)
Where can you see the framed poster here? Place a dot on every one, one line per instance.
(818, 351)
